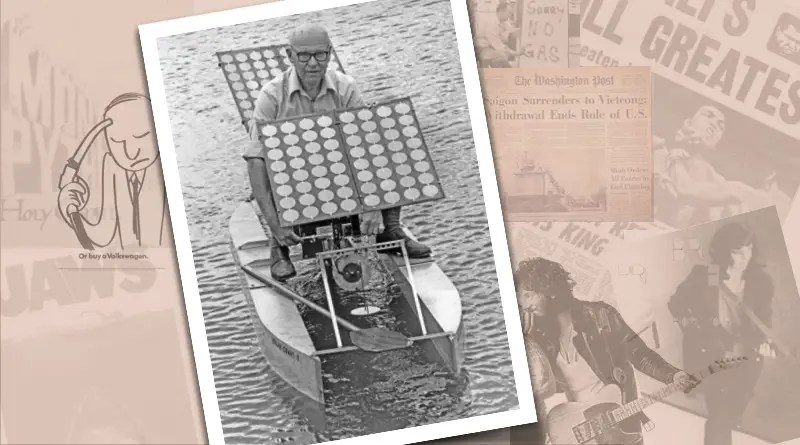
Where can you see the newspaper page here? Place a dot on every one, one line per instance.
(526, 33)
(726, 88)
(571, 144)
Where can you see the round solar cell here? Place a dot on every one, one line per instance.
(426, 178)
(365, 114)
(403, 169)
(303, 187)
(391, 134)
(361, 164)
(282, 51)
(244, 66)
(262, 74)
(322, 183)
(306, 124)
(327, 133)
(335, 156)
(307, 199)
(309, 135)
(313, 147)
(411, 194)
(297, 163)
(241, 57)
(341, 180)
(357, 152)
(245, 104)
(272, 142)
(272, 63)
(368, 188)
(369, 126)
(388, 185)
(418, 155)
(281, 178)
(275, 154)
(350, 129)
(316, 159)
(422, 166)
(291, 139)
(347, 117)
(353, 140)
(310, 212)
(269, 130)
(287, 203)
(278, 166)
(242, 95)
(380, 161)
(348, 205)
(372, 200)
(376, 150)
(365, 176)
(391, 197)
(430, 190)
(234, 77)
(275, 71)
(338, 168)
(269, 54)
(344, 192)
(384, 111)
(254, 94)
(255, 55)
(324, 121)
(406, 119)
(300, 175)
(319, 171)
(414, 143)
(295, 150)
(291, 215)
(325, 195)
(329, 208)
(395, 146)
(247, 114)
(288, 127)
(252, 84)
(402, 108)
(231, 68)
(260, 65)
(283, 190)
(399, 158)
(407, 181)
(372, 137)
(384, 173)
(238, 86)
(410, 132)
(388, 123)
(226, 58)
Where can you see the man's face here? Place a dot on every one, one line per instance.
(310, 71)
(130, 137)
(707, 125)
(534, 301)
(741, 257)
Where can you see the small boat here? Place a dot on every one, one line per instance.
(283, 336)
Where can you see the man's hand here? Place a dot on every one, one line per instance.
(73, 194)
(371, 223)
(767, 350)
(685, 381)
(284, 236)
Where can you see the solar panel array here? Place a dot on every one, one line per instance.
(247, 70)
(347, 162)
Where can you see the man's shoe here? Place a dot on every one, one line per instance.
(414, 248)
(281, 268)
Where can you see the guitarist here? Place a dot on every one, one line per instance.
(723, 309)
(587, 344)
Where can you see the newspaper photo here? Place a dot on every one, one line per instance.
(688, 337)
(726, 94)
(526, 33)
(571, 144)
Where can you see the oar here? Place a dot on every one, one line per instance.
(374, 339)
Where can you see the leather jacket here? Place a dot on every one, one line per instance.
(608, 345)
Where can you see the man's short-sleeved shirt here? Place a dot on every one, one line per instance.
(284, 97)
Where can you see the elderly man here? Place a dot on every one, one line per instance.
(309, 87)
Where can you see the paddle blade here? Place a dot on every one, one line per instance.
(379, 339)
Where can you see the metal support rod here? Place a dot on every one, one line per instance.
(414, 289)
(330, 302)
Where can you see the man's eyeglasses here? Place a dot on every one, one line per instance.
(319, 56)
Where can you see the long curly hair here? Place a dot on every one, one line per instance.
(547, 278)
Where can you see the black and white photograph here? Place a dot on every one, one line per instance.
(337, 222)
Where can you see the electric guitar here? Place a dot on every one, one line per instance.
(605, 422)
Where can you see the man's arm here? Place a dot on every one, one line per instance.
(718, 192)
(103, 230)
(640, 355)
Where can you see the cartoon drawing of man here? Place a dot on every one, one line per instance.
(132, 204)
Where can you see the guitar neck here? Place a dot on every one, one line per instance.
(636, 406)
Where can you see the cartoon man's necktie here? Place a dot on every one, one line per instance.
(135, 189)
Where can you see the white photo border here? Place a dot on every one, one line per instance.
(149, 35)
